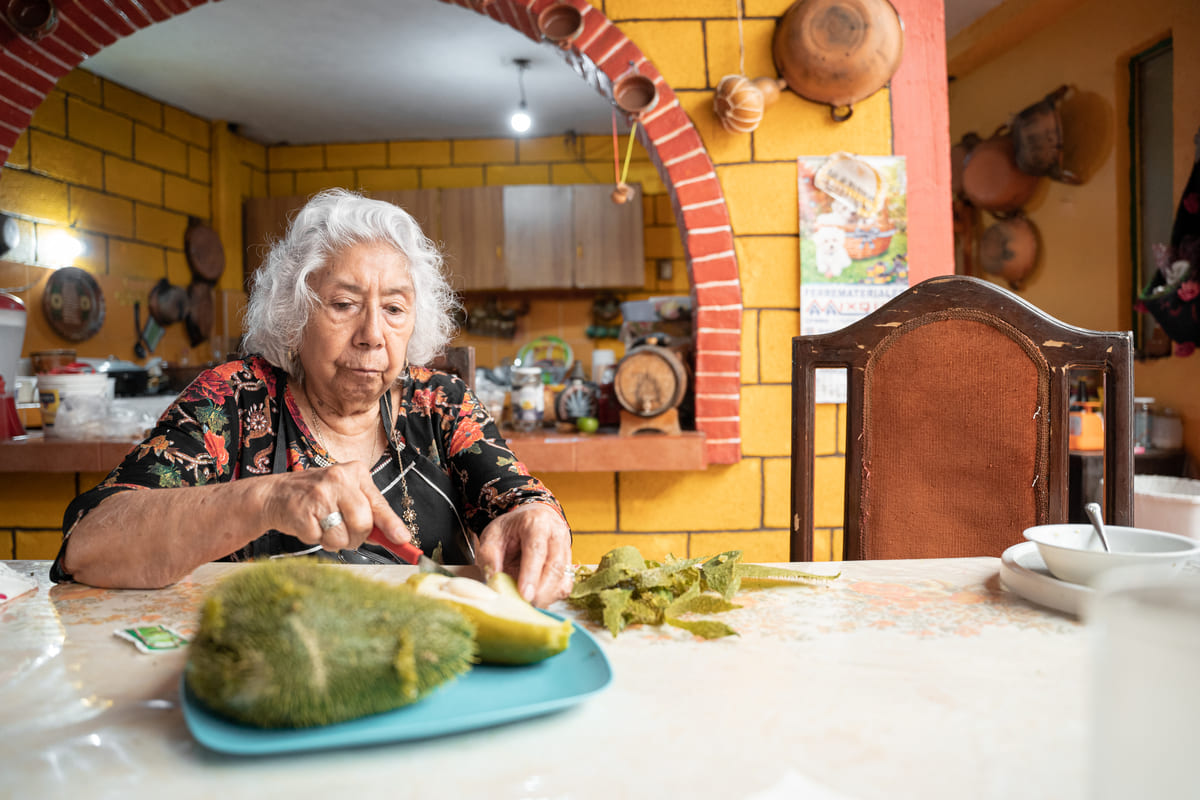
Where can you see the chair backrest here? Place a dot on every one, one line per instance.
(458, 361)
(958, 402)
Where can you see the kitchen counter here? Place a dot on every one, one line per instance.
(899, 678)
(541, 452)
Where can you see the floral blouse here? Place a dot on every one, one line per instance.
(225, 425)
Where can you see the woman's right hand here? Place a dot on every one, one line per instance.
(298, 502)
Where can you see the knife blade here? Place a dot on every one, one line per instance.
(408, 552)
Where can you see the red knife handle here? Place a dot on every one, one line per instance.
(405, 550)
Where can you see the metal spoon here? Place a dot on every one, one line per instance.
(1093, 512)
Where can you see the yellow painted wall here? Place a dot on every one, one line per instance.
(743, 505)
(1084, 273)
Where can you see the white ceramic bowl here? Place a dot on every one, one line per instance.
(1073, 552)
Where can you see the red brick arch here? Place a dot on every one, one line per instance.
(29, 70)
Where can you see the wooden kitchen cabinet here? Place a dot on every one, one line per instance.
(572, 237)
(609, 245)
(265, 219)
(424, 205)
(539, 247)
(499, 238)
(472, 231)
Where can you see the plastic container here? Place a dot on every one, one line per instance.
(604, 364)
(1167, 503)
(12, 337)
(1087, 427)
(1166, 430)
(75, 406)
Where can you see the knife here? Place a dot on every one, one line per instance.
(408, 552)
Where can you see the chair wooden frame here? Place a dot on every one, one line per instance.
(458, 360)
(1062, 346)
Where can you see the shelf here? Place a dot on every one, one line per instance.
(35, 453)
(541, 452)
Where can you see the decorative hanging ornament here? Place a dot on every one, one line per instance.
(739, 102)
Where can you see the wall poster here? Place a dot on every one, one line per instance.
(853, 244)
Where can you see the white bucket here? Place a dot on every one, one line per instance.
(1166, 503)
(75, 406)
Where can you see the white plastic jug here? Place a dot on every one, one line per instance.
(12, 337)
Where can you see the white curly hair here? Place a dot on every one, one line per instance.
(332, 221)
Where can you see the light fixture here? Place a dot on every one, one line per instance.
(521, 120)
(58, 248)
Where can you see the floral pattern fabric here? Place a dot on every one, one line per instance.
(224, 426)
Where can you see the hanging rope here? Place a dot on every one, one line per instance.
(741, 39)
(628, 154)
(616, 150)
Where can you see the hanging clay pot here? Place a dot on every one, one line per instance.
(560, 24)
(33, 19)
(634, 93)
(991, 179)
(1009, 248)
(622, 194)
(838, 51)
(1037, 134)
(959, 154)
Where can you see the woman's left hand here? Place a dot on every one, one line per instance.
(531, 542)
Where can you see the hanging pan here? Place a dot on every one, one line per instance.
(838, 51)
(168, 303)
(205, 254)
(199, 318)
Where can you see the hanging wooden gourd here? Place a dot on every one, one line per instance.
(739, 102)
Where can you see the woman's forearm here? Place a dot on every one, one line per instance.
(152, 538)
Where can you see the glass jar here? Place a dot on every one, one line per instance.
(1166, 430)
(1143, 410)
(528, 398)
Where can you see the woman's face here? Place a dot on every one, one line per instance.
(356, 342)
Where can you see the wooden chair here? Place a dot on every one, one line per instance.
(957, 422)
(458, 361)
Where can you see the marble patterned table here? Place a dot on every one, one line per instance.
(898, 679)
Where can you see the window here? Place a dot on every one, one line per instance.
(1151, 193)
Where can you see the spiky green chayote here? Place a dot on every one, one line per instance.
(292, 643)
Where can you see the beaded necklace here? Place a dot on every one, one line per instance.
(407, 512)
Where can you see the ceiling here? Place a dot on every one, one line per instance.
(307, 71)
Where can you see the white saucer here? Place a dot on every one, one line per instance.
(1023, 573)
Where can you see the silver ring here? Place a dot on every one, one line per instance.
(331, 521)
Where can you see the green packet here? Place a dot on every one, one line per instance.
(152, 638)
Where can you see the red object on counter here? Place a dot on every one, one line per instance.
(74, 368)
(10, 420)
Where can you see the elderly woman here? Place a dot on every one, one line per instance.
(330, 429)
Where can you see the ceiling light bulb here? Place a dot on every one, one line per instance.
(520, 121)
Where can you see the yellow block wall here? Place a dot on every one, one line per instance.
(1084, 271)
(744, 505)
